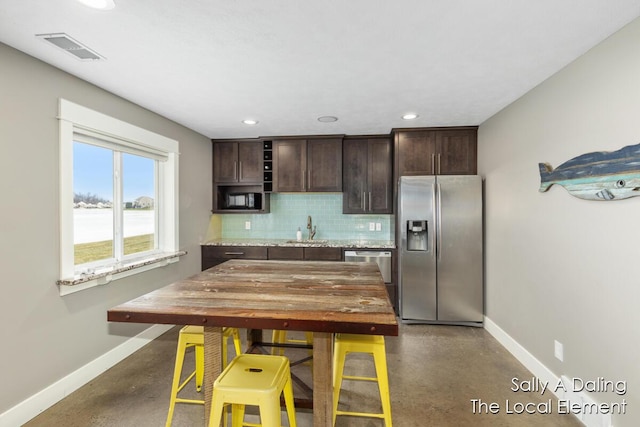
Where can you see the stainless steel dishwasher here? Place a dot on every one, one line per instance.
(382, 258)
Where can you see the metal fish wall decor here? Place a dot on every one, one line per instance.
(602, 175)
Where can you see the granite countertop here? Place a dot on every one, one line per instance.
(322, 243)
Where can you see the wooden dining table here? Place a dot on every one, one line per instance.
(322, 297)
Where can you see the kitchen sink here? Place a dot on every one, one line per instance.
(309, 242)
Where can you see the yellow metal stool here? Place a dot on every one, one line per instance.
(280, 337)
(193, 336)
(254, 379)
(226, 333)
(370, 344)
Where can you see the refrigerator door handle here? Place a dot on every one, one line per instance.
(434, 239)
(439, 223)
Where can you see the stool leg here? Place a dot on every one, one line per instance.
(225, 415)
(177, 371)
(225, 356)
(217, 406)
(199, 351)
(380, 361)
(288, 401)
(276, 338)
(309, 338)
(338, 368)
(237, 415)
(236, 341)
(270, 413)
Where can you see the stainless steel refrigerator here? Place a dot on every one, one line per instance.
(440, 249)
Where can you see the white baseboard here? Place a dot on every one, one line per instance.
(34, 405)
(539, 370)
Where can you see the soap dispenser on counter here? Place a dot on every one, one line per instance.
(299, 235)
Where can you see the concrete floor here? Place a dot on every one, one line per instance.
(435, 372)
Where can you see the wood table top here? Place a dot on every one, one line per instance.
(315, 296)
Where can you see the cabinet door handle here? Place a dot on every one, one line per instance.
(240, 171)
(433, 164)
(304, 180)
(234, 253)
(369, 201)
(308, 178)
(235, 170)
(364, 201)
(439, 163)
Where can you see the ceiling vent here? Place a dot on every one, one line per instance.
(71, 46)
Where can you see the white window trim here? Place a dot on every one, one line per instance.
(73, 117)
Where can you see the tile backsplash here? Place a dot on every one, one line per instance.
(290, 211)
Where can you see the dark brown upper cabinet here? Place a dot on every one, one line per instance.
(436, 151)
(367, 177)
(238, 174)
(310, 164)
(289, 165)
(237, 161)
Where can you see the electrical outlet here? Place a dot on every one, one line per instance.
(247, 225)
(378, 226)
(558, 350)
(372, 226)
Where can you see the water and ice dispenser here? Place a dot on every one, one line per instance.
(416, 235)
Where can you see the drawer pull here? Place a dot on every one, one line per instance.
(234, 253)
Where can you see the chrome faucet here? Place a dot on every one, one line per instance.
(312, 230)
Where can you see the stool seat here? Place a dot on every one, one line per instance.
(193, 336)
(368, 344)
(254, 379)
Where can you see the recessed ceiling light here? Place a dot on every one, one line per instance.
(250, 122)
(99, 4)
(410, 116)
(327, 119)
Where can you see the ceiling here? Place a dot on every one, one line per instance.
(209, 64)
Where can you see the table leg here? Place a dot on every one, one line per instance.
(322, 380)
(212, 364)
(253, 336)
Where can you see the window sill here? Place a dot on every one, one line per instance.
(85, 281)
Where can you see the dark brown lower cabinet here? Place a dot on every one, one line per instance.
(285, 253)
(305, 253)
(323, 254)
(214, 255)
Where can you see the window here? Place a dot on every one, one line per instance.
(107, 227)
(118, 204)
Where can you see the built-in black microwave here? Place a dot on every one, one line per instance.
(243, 201)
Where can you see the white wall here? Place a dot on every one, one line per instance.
(557, 267)
(44, 336)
